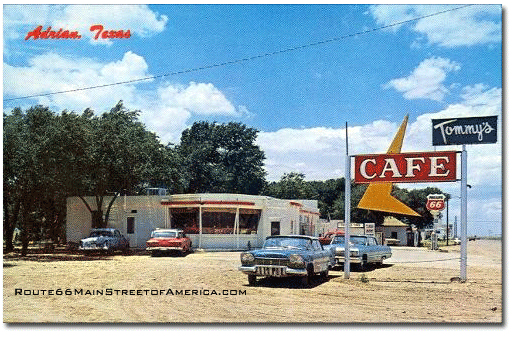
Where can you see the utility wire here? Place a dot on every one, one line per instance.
(237, 61)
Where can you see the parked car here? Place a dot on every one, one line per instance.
(168, 240)
(328, 236)
(104, 239)
(283, 256)
(364, 250)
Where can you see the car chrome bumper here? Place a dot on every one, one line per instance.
(164, 248)
(93, 248)
(288, 271)
(341, 259)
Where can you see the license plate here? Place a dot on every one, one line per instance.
(271, 271)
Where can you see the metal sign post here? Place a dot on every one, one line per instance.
(347, 205)
(462, 131)
(463, 215)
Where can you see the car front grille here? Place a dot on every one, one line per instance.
(271, 261)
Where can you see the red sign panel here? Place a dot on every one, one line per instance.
(406, 167)
(435, 204)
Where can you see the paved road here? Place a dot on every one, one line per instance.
(448, 257)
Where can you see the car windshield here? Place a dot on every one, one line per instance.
(287, 242)
(352, 239)
(169, 234)
(97, 233)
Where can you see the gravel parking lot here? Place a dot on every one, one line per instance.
(413, 286)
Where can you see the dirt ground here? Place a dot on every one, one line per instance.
(414, 286)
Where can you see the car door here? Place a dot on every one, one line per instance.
(117, 239)
(321, 256)
(379, 250)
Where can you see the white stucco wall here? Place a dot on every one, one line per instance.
(149, 214)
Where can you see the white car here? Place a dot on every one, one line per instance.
(104, 239)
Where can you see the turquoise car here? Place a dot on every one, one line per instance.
(292, 255)
(364, 250)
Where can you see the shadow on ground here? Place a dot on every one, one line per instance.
(289, 282)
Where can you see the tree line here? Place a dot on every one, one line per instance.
(50, 156)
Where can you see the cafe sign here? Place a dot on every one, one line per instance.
(462, 131)
(406, 167)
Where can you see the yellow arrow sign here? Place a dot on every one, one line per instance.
(378, 194)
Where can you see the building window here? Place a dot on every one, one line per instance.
(275, 228)
(218, 221)
(394, 234)
(248, 221)
(185, 219)
(130, 229)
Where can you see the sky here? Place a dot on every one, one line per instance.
(296, 73)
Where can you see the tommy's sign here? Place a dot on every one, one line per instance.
(406, 167)
(459, 131)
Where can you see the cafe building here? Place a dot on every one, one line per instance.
(211, 221)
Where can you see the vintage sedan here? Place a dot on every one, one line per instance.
(292, 255)
(364, 250)
(168, 240)
(105, 240)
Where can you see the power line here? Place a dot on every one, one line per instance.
(237, 61)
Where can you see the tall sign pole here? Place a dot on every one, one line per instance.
(347, 205)
(463, 215)
(463, 131)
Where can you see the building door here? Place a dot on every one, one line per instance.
(131, 231)
(275, 228)
(410, 238)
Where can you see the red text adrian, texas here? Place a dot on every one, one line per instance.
(98, 30)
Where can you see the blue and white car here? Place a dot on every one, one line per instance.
(364, 250)
(293, 255)
(105, 240)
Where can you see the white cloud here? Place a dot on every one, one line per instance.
(51, 72)
(199, 98)
(322, 150)
(426, 81)
(474, 25)
(166, 110)
(139, 19)
(169, 113)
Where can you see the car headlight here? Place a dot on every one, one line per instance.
(247, 257)
(296, 259)
(355, 252)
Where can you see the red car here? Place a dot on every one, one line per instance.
(326, 239)
(168, 240)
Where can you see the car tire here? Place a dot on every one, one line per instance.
(325, 274)
(252, 279)
(307, 279)
(363, 266)
(109, 250)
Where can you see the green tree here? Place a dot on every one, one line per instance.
(31, 173)
(120, 156)
(327, 193)
(221, 158)
(291, 186)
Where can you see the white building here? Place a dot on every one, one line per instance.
(211, 221)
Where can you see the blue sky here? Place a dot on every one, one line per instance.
(449, 65)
